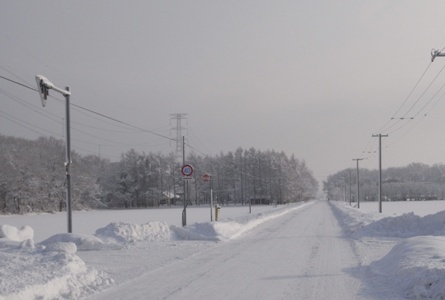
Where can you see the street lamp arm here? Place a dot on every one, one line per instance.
(435, 53)
(44, 85)
(63, 92)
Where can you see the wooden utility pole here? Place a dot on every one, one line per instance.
(380, 167)
(358, 182)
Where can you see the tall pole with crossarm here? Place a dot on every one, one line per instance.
(43, 85)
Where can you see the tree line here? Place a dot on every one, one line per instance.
(413, 182)
(32, 178)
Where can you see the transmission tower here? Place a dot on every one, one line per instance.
(178, 117)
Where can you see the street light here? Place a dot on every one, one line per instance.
(435, 53)
(43, 85)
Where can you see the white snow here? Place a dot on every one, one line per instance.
(409, 250)
(402, 251)
(14, 234)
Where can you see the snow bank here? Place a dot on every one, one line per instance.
(359, 224)
(82, 241)
(44, 271)
(229, 228)
(125, 233)
(14, 234)
(416, 266)
(407, 225)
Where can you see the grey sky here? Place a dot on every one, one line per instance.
(311, 78)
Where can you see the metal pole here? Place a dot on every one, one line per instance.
(68, 162)
(380, 173)
(211, 198)
(358, 182)
(184, 212)
(43, 85)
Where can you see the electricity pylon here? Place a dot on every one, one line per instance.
(178, 117)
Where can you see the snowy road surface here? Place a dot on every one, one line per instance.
(300, 255)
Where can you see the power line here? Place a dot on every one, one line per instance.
(437, 75)
(19, 121)
(394, 121)
(18, 83)
(122, 122)
(96, 113)
(412, 90)
(31, 107)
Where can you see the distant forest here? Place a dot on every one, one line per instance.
(33, 179)
(415, 182)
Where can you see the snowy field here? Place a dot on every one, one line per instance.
(420, 208)
(402, 249)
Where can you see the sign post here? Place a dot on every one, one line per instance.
(187, 171)
(208, 178)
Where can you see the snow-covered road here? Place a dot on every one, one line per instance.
(300, 255)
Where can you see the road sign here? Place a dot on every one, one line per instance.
(206, 177)
(187, 170)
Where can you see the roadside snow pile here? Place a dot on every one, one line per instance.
(45, 271)
(82, 242)
(14, 234)
(416, 266)
(360, 224)
(229, 228)
(125, 233)
(407, 225)
(416, 263)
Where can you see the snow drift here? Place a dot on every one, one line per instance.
(51, 269)
(416, 263)
(416, 266)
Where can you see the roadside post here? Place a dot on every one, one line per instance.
(187, 171)
(216, 212)
(208, 178)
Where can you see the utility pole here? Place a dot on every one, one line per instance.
(211, 198)
(358, 182)
(380, 167)
(350, 189)
(185, 186)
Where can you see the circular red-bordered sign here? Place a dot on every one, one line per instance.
(206, 177)
(187, 170)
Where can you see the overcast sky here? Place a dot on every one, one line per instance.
(311, 78)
